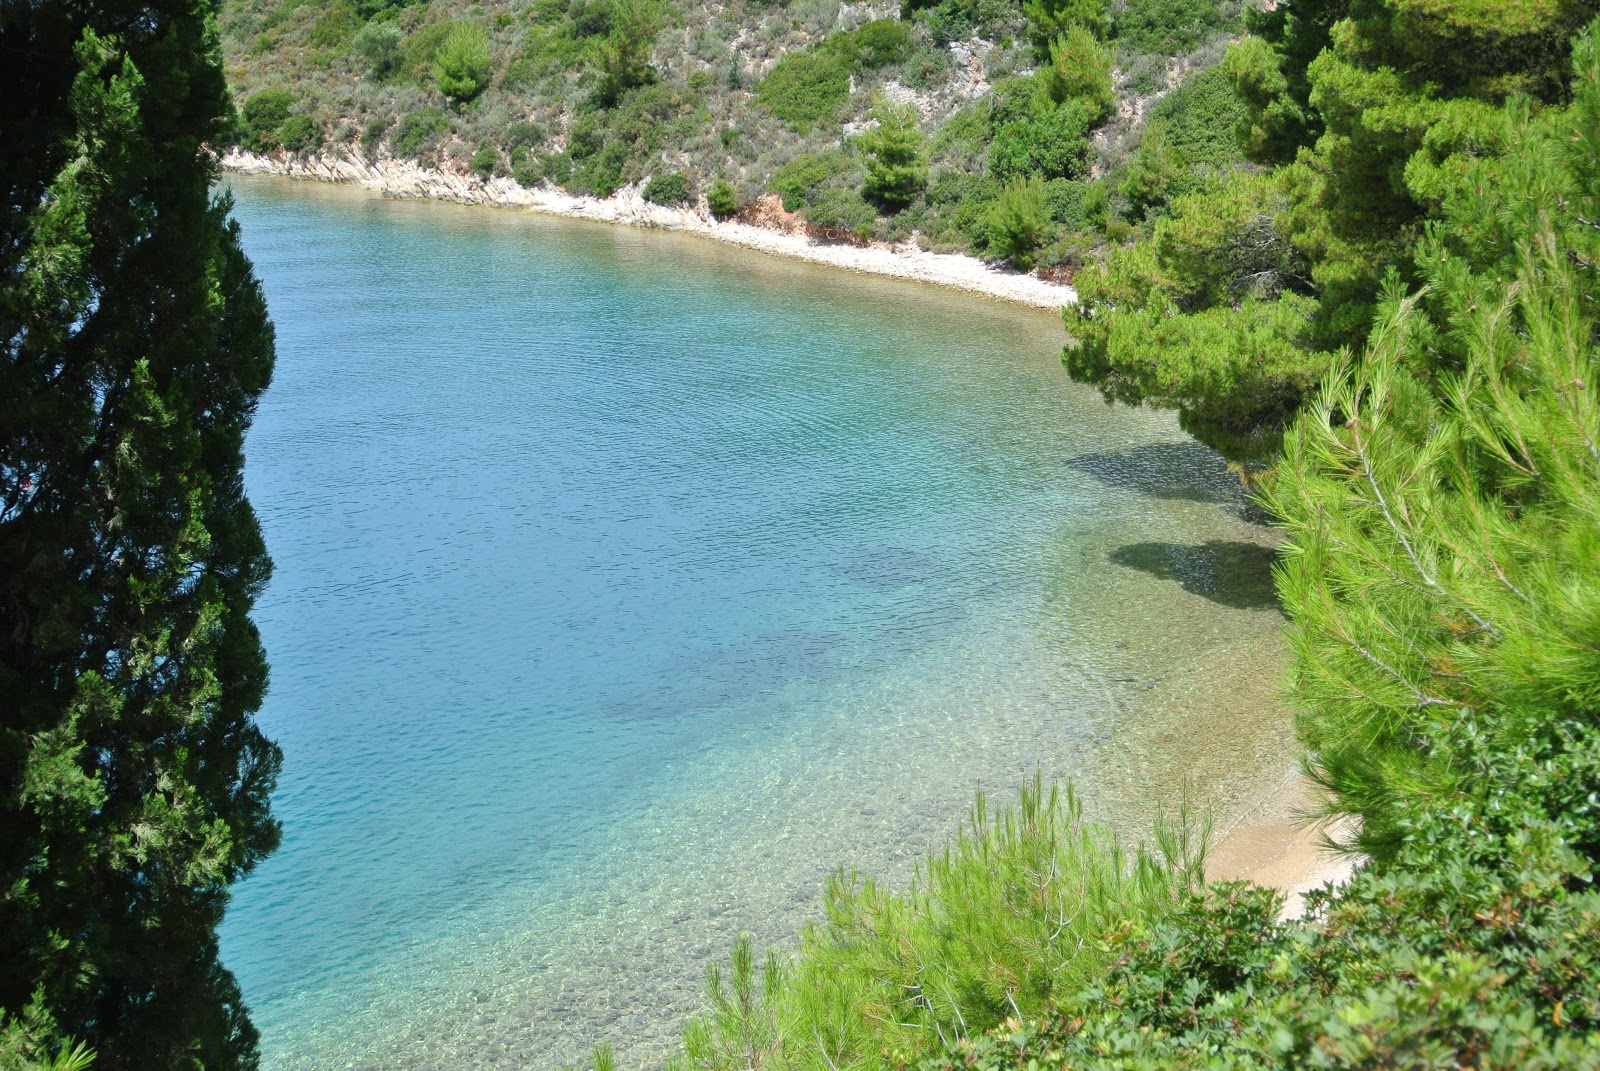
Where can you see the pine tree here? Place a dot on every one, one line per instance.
(896, 171)
(134, 783)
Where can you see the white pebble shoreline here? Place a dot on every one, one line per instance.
(404, 178)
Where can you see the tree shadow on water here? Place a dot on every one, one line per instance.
(1169, 470)
(1232, 574)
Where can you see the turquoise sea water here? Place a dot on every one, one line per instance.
(626, 584)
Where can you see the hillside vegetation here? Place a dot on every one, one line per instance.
(1007, 129)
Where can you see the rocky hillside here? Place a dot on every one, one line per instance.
(1029, 132)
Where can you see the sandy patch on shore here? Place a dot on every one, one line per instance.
(1277, 845)
(399, 178)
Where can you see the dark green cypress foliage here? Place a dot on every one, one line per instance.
(134, 783)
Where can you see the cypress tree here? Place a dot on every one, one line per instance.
(134, 783)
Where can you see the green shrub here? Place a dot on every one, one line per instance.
(623, 54)
(1201, 118)
(418, 133)
(372, 137)
(461, 67)
(487, 162)
(378, 44)
(1079, 72)
(300, 133)
(842, 211)
(556, 167)
(1012, 915)
(1166, 27)
(722, 199)
(874, 45)
(802, 179)
(669, 188)
(261, 117)
(1019, 223)
(1050, 145)
(804, 88)
(896, 170)
(1049, 19)
(414, 61)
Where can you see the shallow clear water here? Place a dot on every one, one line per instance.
(626, 584)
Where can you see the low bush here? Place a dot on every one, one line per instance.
(722, 199)
(669, 188)
(300, 133)
(461, 66)
(1019, 223)
(1014, 914)
(487, 162)
(418, 133)
(1165, 27)
(800, 181)
(261, 116)
(1052, 144)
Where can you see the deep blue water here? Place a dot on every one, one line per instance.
(625, 583)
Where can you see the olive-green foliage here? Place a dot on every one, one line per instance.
(487, 162)
(378, 43)
(418, 134)
(802, 180)
(300, 133)
(808, 87)
(1079, 72)
(461, 66)
(623, 53)
(721, 198)
(262, 115)
(804, 88)
(1019, 222)
(669, 188)
(1049, 144)
(1010, 917)
(372, 136)
(958, 20)
(896, 169)
(1049, 19)
(137, 785)
(1165, 27)
(1208, 317)
(609, 148)
(1200, 120)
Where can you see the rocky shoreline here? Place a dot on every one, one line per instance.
(768, 229)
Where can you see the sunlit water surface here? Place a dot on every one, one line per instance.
(627, 584)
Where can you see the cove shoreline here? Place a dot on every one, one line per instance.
(783, 235)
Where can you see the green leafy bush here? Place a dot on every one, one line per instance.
(300, 133)
(1053, 144)
(1011, 916)
(1200, 119)
(802, 180)
(1166, 27)
(372, 136)
(896, 170)
(418, 133)
(1019, 223)
(461, 66)
(487, 162)
(808, 87)
(669, 188)
(262, 115)
(378, 44)
(722, 199)
(804, 88)
(1079, 73)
